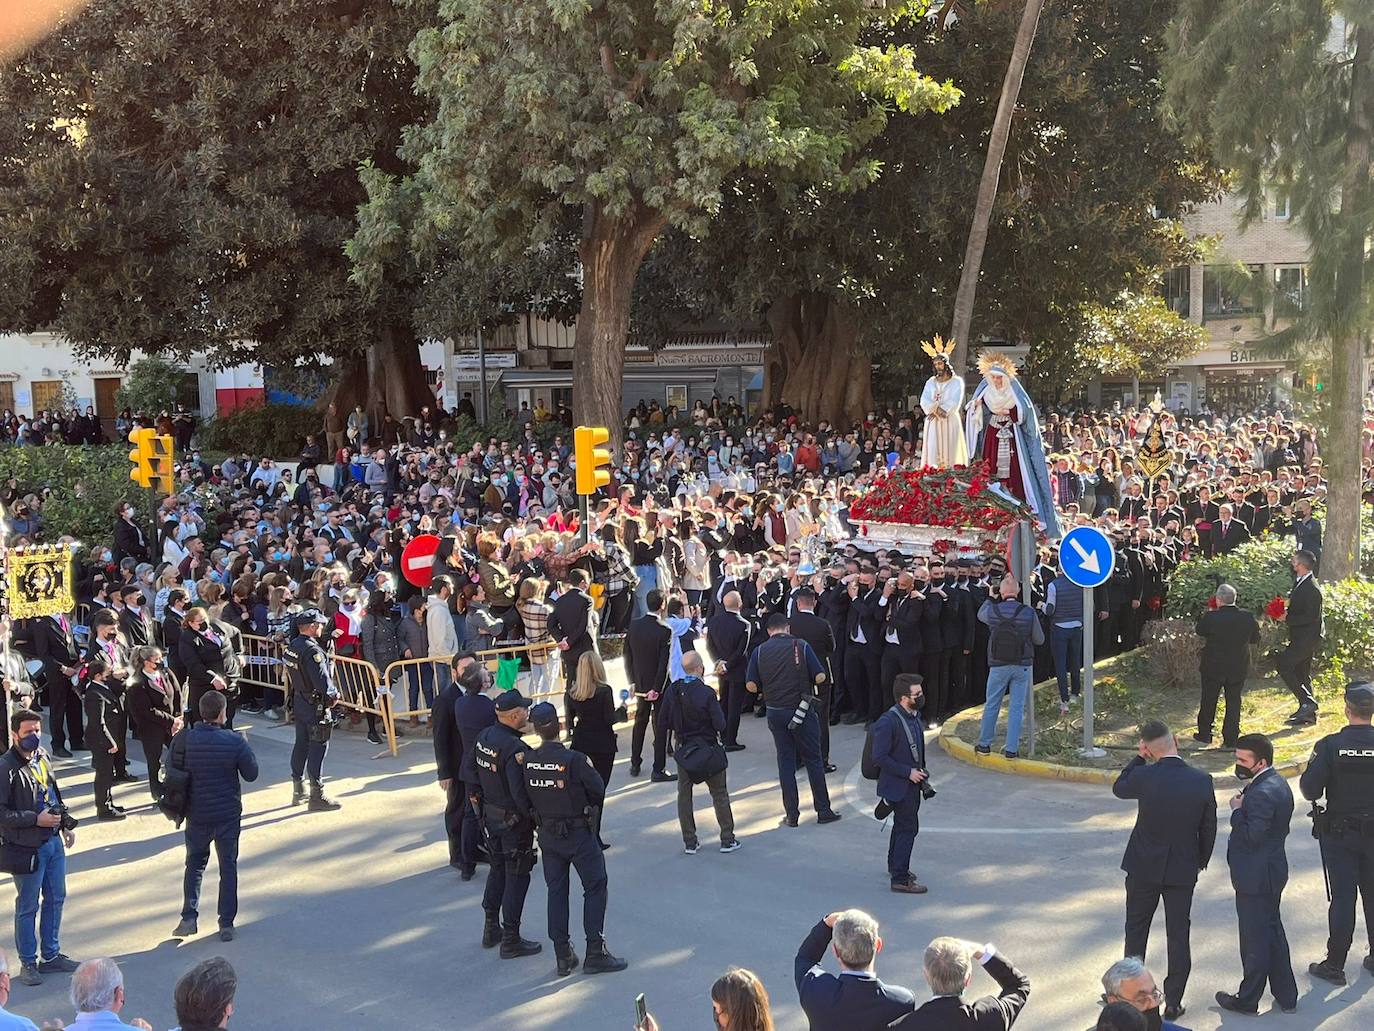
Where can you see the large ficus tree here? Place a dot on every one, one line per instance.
(1288, 103)
(633, 113)
(183, 177)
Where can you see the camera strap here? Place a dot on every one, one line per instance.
(918, 751)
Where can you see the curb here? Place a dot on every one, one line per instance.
(963, 751)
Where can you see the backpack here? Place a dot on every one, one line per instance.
(176, 780)
(1004, 643)
(868, 766)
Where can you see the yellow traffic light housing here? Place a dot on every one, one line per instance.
(590, 458)
(164, 477)
(141, 456)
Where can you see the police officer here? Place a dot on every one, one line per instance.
(312, 697)
(509, 832)
(1342, 768)
(562, 792)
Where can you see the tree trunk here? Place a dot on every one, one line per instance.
(611, 250)
(1341, 453)
(815, 364)
(387, 377)
(987, 187)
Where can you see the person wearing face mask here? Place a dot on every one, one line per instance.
(34, 840)
(55, 646)
(156, 702)
(1130, 981)
(129, 541)
(106, 723)
(210, 651)
(899, 751)
(1260, 816)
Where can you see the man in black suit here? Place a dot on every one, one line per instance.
(571, 622)
(949, 966)
(900, 606)
(1304, 638)
(648, 644)
(855, 1000)
(1260, 816)
(106, 645)
(55, 645)
(816, 632)
(1227, 633)
(727, 638)
(135, 621)
(172, 616)
(448, 757)
(1228, 532)
(833, 607)
(1175, 830)
(864, 646)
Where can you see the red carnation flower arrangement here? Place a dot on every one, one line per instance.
(957, 497)
(1276, 608)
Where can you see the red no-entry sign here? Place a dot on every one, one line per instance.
(417, 560)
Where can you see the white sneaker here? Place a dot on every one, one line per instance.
(1063, 708)
(734, 846)
(689, 850)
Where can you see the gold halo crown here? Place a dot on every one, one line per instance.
(938, 348)
(990, 360)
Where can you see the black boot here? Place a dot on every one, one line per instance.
(600, 960)
(567, 958)
(319, 803)
(297, 791)
(513, 946)
(491, 931)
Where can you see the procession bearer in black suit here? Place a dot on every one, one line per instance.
(727, 638)
(1171, 843)
(816, 632)
(1260, 815)
(1227, 633)
(1304, 638)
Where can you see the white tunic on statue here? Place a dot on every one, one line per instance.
(942, 444)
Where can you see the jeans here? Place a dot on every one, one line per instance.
(543, 678)
(799, 747)
(720, 799)
(648, 581)
(225, 837)
(906, 824)
(432, 677)
(1066, 645)
(1000, 679)
(49, 877)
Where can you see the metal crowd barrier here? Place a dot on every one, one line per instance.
(361, 689)
(262, 663)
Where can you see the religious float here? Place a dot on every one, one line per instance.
(968, 505)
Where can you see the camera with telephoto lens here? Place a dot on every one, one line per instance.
(68, 820)
(927, 792)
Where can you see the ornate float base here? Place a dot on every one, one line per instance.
(925, 541)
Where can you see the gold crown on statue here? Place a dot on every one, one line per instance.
(991, 360)
(939, 348)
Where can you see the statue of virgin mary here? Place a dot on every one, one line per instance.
(1004, 431)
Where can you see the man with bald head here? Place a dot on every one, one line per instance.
(727, 638)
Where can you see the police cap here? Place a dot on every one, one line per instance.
(509, 700)
(543, 715)
(309, 616)
(1359, 695)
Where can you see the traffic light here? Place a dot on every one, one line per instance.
(591, 458)
(152, 460)
(164, 477)
(142, 456)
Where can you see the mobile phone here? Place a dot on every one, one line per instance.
(641, 1010)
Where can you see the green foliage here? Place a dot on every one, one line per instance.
(151, 386)
(1135, 335)
(1259, 570)
(276, 431)
(87, 483)
(1348, 651)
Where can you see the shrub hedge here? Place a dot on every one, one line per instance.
(87, 483)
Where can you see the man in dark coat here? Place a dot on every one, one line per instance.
(1227, 633)
(1304, 619)
(55, 645)
(1228, 532)
(448, 759)
(818, 633)
(855, 999)
(1171, 843)
(727, 637)
(648, 644)
(1260, 817)
(572, 624)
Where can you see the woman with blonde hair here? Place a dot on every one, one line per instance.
(592, 716)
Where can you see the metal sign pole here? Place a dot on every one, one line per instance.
(1090, 751)
(1026, 532)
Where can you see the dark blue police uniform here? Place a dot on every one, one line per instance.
(498, 753)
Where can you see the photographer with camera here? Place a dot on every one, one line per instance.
(899, 751)
(35, 831)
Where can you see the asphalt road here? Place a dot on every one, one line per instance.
(353, 920)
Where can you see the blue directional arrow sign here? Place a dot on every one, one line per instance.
(1086, 556)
